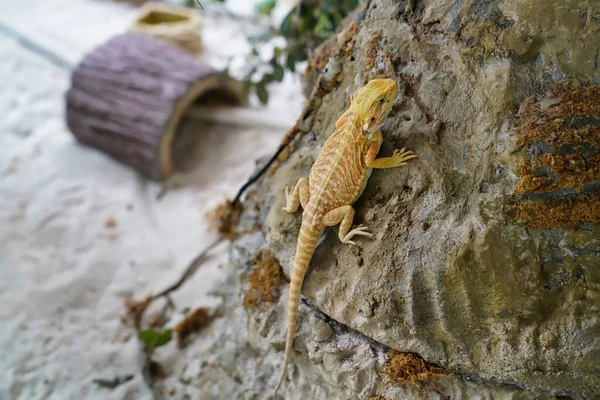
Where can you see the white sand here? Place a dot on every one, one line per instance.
(63, 272)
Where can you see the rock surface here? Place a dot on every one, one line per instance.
(331, 361)
(487, 252)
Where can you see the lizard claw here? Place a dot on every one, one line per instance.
(364, 233)
(402, 155)
(360, 230)
(403, 151)
(288, 195)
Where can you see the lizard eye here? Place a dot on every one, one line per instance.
(381, 101)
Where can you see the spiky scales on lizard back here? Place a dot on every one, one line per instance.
(337, 178)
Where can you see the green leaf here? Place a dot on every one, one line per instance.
(266, 79)
(329, 6)
(290, 63)
(261, 92)
(299, 54)
(324, 26)
(113, 383)
(225, 73)
(351, 4)
(247, 88)
(164, 338)
(259, 38)
(151, 338)
(337, 20)
(265, 7)
(286, 23)
(278, 73)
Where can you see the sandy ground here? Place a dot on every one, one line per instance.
(65, 270)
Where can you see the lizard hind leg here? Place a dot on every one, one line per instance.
(297, 196)
(344, 216)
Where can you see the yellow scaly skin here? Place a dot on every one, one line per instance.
(337, 178)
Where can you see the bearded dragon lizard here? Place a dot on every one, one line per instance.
(337, 178)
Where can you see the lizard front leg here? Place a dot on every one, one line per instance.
(298, 196)
(398, 159)
(344, 216)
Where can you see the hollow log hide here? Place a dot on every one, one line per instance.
(128, 96)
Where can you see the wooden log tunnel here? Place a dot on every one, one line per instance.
(128, 96)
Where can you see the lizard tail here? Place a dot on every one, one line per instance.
(307, 242)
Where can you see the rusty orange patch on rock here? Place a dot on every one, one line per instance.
(263, 281)
(410, 369)
(193, 322)
(571, 171)
(566, 118)
(550, 214)
(559, 178)
(371, 51)
(224, 219)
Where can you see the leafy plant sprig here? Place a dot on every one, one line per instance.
(151, 339)
(305, 26)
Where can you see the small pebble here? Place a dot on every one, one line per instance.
(111, 222)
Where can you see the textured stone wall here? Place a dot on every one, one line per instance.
(486, 261)
(487, 252)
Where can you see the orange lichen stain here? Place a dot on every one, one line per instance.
(371, 51)
(571, 171)
(135, 310)
(564, 119)
(410, 369)
(263, 281)
(549, 214)
(193, 322)
(563, 130)
(224, 219)
(347, 38)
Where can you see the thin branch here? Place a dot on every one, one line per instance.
(260, 173)
(190, 270)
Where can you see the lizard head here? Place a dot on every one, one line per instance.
(373, 102)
